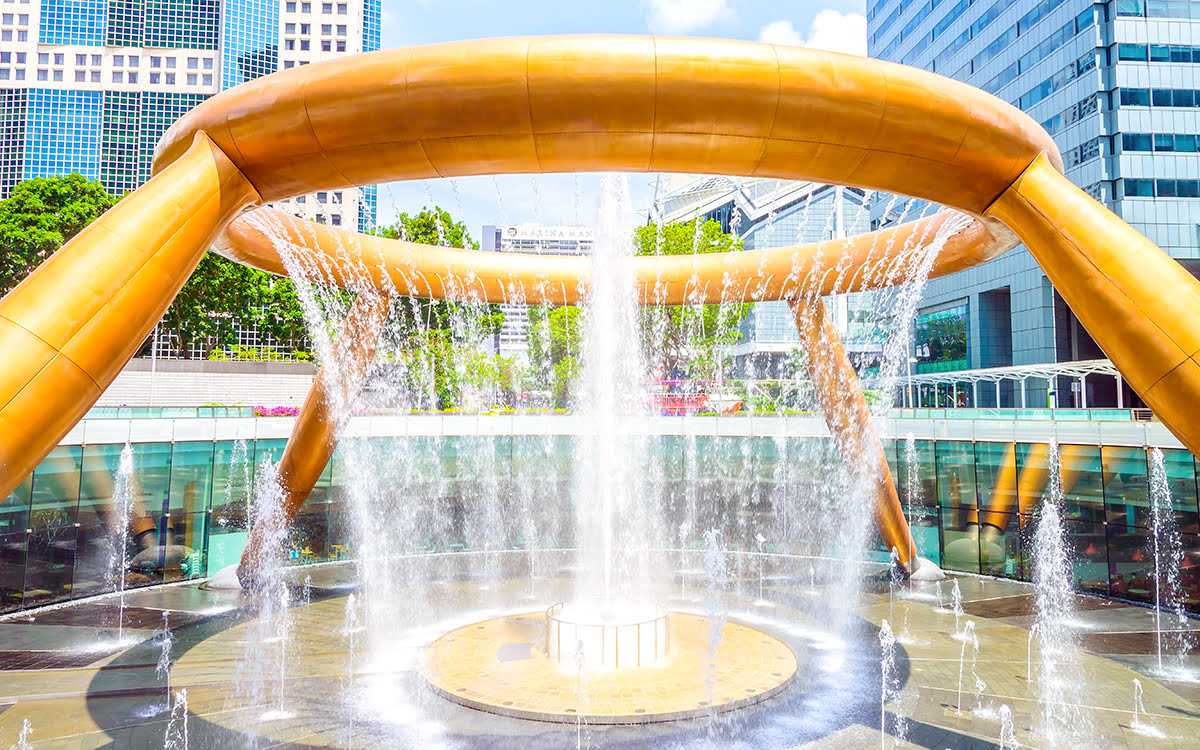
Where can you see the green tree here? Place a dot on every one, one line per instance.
(689, 339)
(40, 216)
(555, 342)
(440, 339)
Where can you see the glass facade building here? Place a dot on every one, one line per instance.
(57, 528)
(1115, 84)
(90, 86)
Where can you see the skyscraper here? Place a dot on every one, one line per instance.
(1117, 84)
(90, 86)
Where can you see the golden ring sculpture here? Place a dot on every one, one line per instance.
(576, 103)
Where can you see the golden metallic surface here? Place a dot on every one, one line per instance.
(71, 325)
(623, 103)
(315, 434)
(849, 420)
(634, 104)
(1138, 303)
(868, 261)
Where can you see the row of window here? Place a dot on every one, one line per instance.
(326, 45)
(1057, 81)
(1178, 142)
(21, 19)
(1160, 97)
(326, 8)
(1169, 53)
(305, 28)
(118, 76)
(1072, 114)
(1158, 8)
(1137, 188)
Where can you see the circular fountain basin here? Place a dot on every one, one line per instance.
(608, 635)
(501, 666)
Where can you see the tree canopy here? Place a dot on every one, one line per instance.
(689, 341)
(40, 216)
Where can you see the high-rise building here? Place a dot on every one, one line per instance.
(90, 86)
(767, 213)
(541, 239)
(1117, 84)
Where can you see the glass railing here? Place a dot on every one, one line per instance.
(168, 412)
(971, 504)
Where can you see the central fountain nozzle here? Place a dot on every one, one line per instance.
(607, 635)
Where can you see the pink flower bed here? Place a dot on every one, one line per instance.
(276, 411)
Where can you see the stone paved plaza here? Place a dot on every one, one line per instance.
(63, 672)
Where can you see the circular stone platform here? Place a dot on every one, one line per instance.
(500, 666)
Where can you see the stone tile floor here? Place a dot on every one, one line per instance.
(297, 692)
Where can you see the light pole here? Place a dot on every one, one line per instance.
(911, 360)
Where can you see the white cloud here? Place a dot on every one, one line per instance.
(831, 30)
(682, 16)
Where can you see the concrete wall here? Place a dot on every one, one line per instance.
(176, 382)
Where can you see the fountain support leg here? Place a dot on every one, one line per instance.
(849, 420)
(325, 411)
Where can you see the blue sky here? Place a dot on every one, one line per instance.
(829, 24)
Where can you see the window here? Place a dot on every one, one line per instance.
(170, 79)
(341, 29)
(289, 44)
(1164, 142)
(4, 74)
(303, 44)
(20, 58)
(6, 36)
(299, 198)
(193, 63)
(80, 76)
(1188, 188)
(1131, 52)
(119, 60)
(95, 76)
(132, 76)
(289, 28)
(208, 63)
(170, 62)
(306, 7)
(59, 58)
(43, 58)
(1139, 188)
(58, 75)
(155, 62)
(191, 79)
(81, 59)
(1131, 8)
(207, 79)
(1185, 142)
(341, 45)
(326, 7)
(1136, 142)
(1161, 97)
(5, 57)
(43, 75)
(342, 9)
(291, 7)
(133, 61)
(322, 197)
(118, 77)
(1182, 98)
(1166, 188)
(1135, 97)
(320, 218)
(326, 46)
(155, 78)
(20, 74)
(23, 19)
(305, 28)
(288, 64)
(8, 19)
(326, 29)
(1160, 53)
(96, 59)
